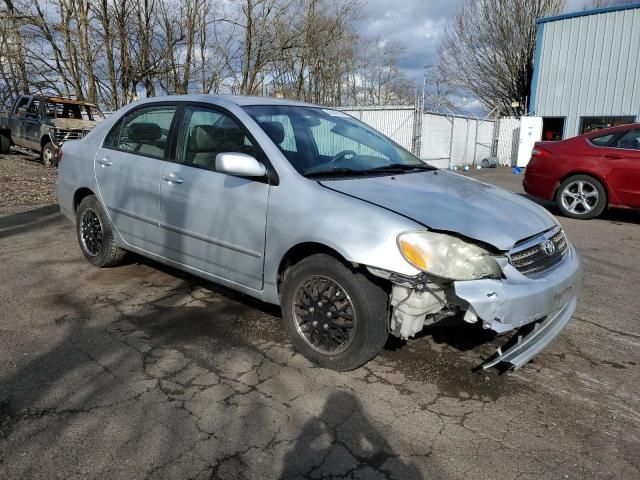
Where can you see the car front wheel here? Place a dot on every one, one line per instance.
(336, 317)
(581, 196)
(95, 235)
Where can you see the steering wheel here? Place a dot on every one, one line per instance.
(341, 155)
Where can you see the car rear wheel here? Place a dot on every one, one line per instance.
(581, 196)
(95, 235)
(48, 155)
(336, 317)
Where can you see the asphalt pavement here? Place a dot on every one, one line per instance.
(141, 371)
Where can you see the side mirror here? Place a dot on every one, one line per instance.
(239, 164)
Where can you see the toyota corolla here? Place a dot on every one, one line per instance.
(306, 207)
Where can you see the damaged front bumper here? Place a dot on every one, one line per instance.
(502, 305)
(517, 300)
(530, 345)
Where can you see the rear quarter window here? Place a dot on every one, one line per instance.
(603, 140)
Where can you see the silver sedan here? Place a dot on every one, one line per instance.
(303, 206)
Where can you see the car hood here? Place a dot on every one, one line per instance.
(445, 201)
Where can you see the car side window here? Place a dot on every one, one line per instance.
(21, 108)
(144, 131)
(603, 140)
(629, 141)
(33, 108)
(204, 133)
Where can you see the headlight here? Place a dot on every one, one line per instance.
(447, 257)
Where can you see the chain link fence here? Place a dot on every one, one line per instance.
(445, 141)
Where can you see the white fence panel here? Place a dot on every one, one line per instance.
(436, 139)
(508, 133)
(467, 159)
(483, 143)
(445, 140)
(460, 126)
(394, 122)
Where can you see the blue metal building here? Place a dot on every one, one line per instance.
(587, 71)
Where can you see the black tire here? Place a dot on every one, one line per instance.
(108, 254)
(369, 308)
(5, 144)
(589, 193)
(49, 155)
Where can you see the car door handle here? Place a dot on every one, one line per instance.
(612, 156)
(172, 178)
(104, 162)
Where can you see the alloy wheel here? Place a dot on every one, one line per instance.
(91, 233)
(324, 315)
(579, 197)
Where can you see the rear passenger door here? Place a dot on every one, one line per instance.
(621, 166)
(128, 169)
(212, 221)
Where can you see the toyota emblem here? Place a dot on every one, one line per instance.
(549, 248)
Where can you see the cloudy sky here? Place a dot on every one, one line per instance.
(419, 25)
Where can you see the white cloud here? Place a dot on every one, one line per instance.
(419, 25)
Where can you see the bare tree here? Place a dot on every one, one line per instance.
(104, 51)
(262, 42)
(607, 3)
(438, 92)
(315, 50)
(102, 12)
(489, 48)
(381, 81)
(8, 59)
(16, 53)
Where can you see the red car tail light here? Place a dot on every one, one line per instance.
(59, 156)
(539, 152)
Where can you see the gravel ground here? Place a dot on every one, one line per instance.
(25, 183)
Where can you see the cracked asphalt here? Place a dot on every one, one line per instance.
(141, 371)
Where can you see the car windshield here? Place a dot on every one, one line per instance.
(320, 142)
(76, 111)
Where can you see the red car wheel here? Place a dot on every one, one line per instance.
(581, 196)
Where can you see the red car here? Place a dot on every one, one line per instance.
(585, 174)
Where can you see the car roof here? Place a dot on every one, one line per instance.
(243, 100)
(617, 128)
(70, 101)
(240, 100)
(54, 99)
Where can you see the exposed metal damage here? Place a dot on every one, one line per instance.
(413, 309)
(528, 346)
(416, 302)
(501, 305)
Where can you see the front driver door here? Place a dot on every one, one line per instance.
(128, 167)
(621, 166)
(212, 221)
(32, 125)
